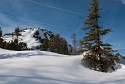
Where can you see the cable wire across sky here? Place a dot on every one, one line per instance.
(37, 22)
(50, 6)
(61, 9)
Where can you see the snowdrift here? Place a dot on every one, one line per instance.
(39, 67)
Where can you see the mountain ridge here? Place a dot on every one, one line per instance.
(28, 36)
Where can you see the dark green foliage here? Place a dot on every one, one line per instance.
(14, 45)
(36, 33)
(45, 45)
(51, 42)
(17, 33)
(37, 47)
(39, 37)
(0, 32)
(58, 44)
(45, 35)
(101, 57)
(41, 40)
(22, 46)
(17, 30)
(55, 44)
(1, 43)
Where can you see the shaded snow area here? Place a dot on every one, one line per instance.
(39, 67)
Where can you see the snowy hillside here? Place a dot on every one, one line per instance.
(38, 67)
(27, 36)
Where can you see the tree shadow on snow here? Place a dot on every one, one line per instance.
(33, 80)
(28, 54)
(20, 55)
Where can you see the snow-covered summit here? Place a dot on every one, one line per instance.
(27, 36)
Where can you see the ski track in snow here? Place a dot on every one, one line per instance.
(40, 67)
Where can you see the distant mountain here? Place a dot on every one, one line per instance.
(30, 36)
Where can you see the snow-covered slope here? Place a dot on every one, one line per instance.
(27, 36)
(38, 67)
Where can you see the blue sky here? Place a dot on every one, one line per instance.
(64, 17)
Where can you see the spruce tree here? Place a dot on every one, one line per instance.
(1, 43)
(17, 30)
(100, 56)
(44, 45)
(58, 44)
(37, 33)
(0, 32)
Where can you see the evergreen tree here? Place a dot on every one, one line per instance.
(22, 46)
(1, 43)
(101, 57)
(0, 32)
(17, 30)
(44, 45)
(58, 44)
(37, 33)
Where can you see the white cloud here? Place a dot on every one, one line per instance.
(16, 4)
(9, 23)
(5, 20)
(123, 1)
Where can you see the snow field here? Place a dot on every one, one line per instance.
(40, 67)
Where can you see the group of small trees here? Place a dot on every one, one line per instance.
(52, 43)
(58, 44)
(36, 35)
(0, 32)
(15, 44)
(55, 44)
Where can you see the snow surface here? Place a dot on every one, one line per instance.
(27, 37)
(40, 67)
